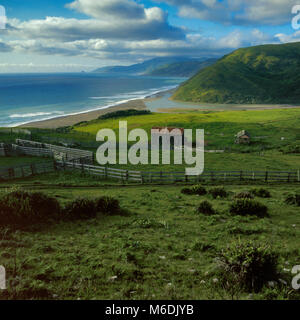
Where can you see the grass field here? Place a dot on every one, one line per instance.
(18, 161)
(162, 250)
(266, 127)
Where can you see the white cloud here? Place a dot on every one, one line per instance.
(237, 12)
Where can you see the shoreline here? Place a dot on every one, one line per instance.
(72, 119)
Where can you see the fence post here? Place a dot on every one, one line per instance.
(32, 168)
(22, 170)
(11, 173)
(241, 176)
(212, 176)
(161, 176)
(267, 176)
(127, 175)
(298, 175)
(253, 176)
(289, 177)
(105, 173)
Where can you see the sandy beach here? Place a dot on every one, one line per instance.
(71, 120)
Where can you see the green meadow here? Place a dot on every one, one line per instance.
(163, 247)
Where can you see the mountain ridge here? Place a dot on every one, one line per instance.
(260, 74)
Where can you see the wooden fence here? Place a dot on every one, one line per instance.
(173, 177)
(223, 176)
(27, 170)
(103, 172)
(36, 152)
(2, 150)
(37, 148)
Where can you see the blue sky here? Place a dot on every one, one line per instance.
(75, 35)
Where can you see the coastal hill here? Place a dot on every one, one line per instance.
(182, 69)
(166, 66)
(262, 74)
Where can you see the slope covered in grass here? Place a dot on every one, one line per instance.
(261, 74)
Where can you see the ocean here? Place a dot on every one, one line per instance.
(32, 97)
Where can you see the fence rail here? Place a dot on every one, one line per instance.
(104, 172)
(147, 177)
(173, 177)
(56, 151)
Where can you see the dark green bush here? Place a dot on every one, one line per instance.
(261, 193)
(80, 209)
(244, 195)
(218, 193)
(206, 207)
(293, 199)
(108, 206)
(124, 113)
(199, 190)
(244, 207)
(186, 191)
(195, 190)
(25, 208)
(248, 265)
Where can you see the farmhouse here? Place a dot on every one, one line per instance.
(243, 137)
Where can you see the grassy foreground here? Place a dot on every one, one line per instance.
(162, 250)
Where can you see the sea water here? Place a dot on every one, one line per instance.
(33, 97)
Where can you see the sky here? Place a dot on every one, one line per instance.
(82, 35)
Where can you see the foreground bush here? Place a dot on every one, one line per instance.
(206, 207)
(293, 199)
(195, 190)
(80, 209)
(261, 193)
(218, 193)
(244, 207)
(26, 208)
(87, 209)
(108, 206)
(248, 265)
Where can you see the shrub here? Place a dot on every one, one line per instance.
(206, 207)
(199, 190)
(244, 207)
(218, 193)
(80, 209)
(261, 193)
(248, 265)
(25, 208)
(243, 195)
(108, 206)
(293, 199)
(186, 191)
(195, 190)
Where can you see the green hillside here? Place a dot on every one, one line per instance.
(182, 69)
(261, 74)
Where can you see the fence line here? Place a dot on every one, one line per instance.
(147, 177)
(58, 152)
(172, 177)
(104, 172)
